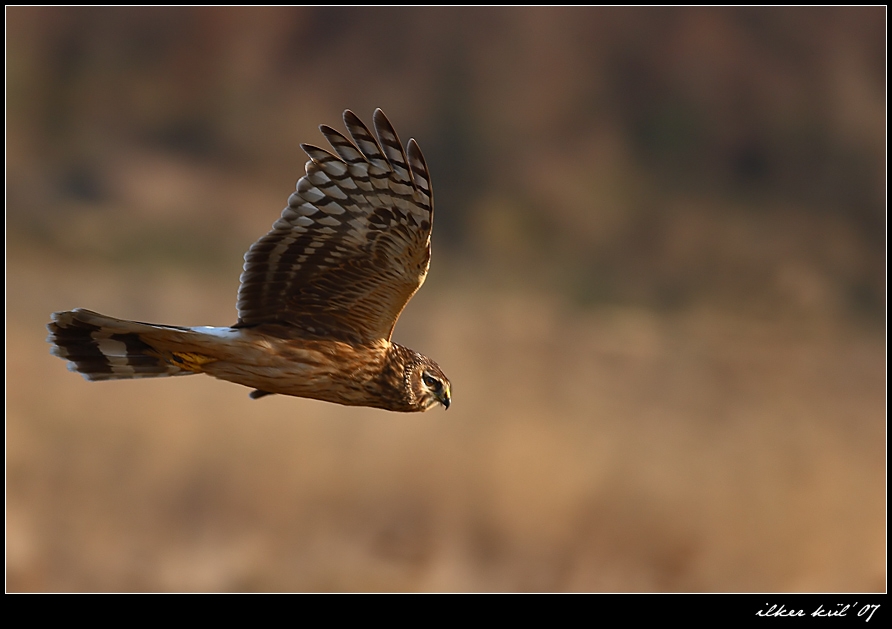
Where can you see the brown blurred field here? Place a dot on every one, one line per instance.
(664, 326)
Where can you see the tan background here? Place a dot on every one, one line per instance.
(658, 287)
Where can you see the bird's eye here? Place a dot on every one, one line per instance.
(432, 382)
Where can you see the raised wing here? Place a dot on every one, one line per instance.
(353, 245)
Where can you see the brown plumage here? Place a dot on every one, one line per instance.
(320, 293)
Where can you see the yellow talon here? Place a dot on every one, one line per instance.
(190, 361)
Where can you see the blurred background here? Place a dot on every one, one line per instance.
(658, 287)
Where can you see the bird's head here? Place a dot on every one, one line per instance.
(427, 384)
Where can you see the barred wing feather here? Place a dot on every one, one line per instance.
(353, 245)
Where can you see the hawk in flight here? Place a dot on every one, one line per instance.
(319, 295)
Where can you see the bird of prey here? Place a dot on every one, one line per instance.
(320, 293)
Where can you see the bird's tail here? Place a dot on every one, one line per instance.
(105, 348)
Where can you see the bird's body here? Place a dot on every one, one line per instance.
(319, 296)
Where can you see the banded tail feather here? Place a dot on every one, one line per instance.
(100, 347)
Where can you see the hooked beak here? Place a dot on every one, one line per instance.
(445, 398)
